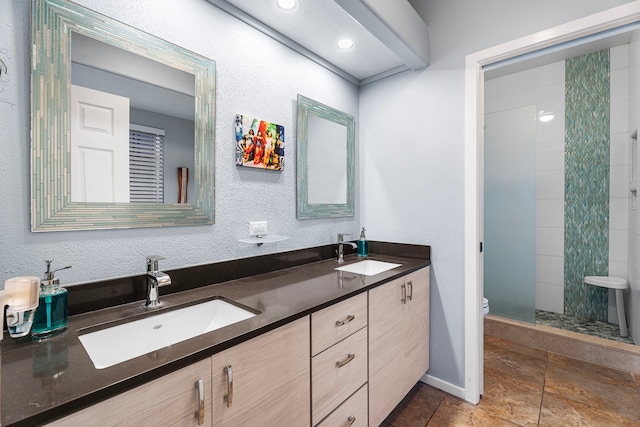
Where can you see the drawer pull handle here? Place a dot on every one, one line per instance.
(229, 396)
(341, 363)
(350, 421)
(410, 283)
(200, 412)
(404, 294)
(345, 321)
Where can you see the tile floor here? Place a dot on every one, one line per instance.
(529, 387)
(582, 326)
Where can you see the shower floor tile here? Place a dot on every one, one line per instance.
(583, 326)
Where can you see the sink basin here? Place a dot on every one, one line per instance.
(116, 344)
(369, 267)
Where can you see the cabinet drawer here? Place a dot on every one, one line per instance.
(352, 413)
(338, 372)
(335, 323)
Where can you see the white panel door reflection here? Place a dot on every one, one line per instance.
(99, 146)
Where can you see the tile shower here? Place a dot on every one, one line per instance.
(581, 212)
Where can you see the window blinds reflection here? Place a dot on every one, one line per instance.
(146, 164)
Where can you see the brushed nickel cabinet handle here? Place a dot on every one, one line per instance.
(345, 321)
(410, 283)
(350, 422)
(404, 294)
(341, 363)
(200, 412)
(229, 396)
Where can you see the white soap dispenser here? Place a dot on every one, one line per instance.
(20, 296)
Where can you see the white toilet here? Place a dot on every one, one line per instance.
(619, 284)
(485, 307)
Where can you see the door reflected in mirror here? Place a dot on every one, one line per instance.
(111, 90)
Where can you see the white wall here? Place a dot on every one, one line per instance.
(633, 272)
(619, 169)
(255, 76)
(412, 148)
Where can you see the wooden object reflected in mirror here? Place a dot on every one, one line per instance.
(183, 182)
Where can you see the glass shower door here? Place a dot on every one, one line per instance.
(510, 213)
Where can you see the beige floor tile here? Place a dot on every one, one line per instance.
(599, 387)
(512, 398)
(491, 343)
(456, 412)
(417, 408)
(515, 361)
(529, 387)
(557, 411)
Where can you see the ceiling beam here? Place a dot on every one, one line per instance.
(396, 24)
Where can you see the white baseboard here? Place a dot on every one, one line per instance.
(443, 385)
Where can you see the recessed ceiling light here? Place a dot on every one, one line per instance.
(545, 116)
(345, 44)
(287, 4)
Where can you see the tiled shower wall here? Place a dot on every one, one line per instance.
(545, 87)
(586, 175)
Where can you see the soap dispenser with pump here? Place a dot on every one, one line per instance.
(53, 311)
(363, 244)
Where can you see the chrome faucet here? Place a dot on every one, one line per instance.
(341, 243)
(155, 279)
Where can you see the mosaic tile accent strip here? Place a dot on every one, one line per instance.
(586, 210)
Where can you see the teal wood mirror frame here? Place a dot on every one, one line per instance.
(53, 21)
(305, 209)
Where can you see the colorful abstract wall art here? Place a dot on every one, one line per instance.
(259, 144)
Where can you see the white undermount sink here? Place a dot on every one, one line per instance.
(369, 267)
(116, 344)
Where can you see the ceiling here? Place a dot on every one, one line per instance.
(390, 37)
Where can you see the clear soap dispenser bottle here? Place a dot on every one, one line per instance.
(53, 311)
(363, 245)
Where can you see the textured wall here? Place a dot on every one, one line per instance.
(255, 76)
(586, 212)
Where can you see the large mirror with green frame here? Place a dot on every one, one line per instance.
(325, 161)
(59, 29)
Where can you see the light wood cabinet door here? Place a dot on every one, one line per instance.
(271, 379)
(337, 373)
(168, 401)
(398, 341)
(416, 341)
(386, 340)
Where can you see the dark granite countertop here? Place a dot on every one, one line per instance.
(48, 379)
